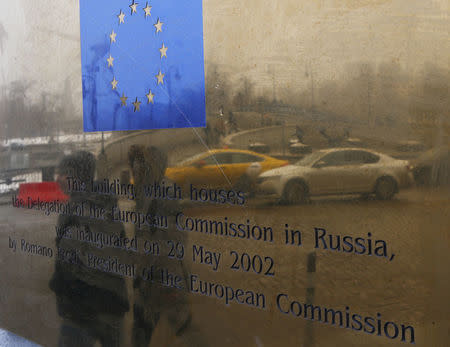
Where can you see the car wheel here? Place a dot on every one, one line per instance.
(295, 192)
(386, 188)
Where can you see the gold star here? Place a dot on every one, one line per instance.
(150, 96)
(158, 26)
(114, 83)
(133, 7)
(163, 51)
(113, 36)
(160, 77)
(124, 99)
(137, 105)
(148, 10)
(110, 61)
(121, 17)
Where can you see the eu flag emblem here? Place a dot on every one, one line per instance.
(142, 64)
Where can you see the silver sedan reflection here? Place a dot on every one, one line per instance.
(337, 171)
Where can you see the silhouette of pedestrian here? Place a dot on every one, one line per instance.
(91, 302)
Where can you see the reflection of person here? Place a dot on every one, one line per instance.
(232, 122)
(213, 131)
(220, 127)
(209, 134)
(156, 303)
(346, 133)
(92, 303)
(299, 133)
(333, 141)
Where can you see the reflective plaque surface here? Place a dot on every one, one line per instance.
(311, 210)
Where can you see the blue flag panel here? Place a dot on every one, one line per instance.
(142, 64)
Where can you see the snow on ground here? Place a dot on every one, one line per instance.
(68, 138)
(29, 178)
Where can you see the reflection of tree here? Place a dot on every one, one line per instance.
(354, 96)
(90, 83)
(217, 91)
(366, 80)
(430, 104)
(20, 117)
(3, 37)
(383, 94)
(390, 101)
(244, 96)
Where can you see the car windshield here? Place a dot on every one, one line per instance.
(310, 159)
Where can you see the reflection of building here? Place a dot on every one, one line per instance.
(276, 108)
(21, 159)
(20, 156)
(431, 118)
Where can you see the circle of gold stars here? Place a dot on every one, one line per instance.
(163, 54)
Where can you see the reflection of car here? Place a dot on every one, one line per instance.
(432, 167)
(41, 191)
(297, 147)
(337, 171)
(222, 168)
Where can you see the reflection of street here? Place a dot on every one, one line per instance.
(404, 290)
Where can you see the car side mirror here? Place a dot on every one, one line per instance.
(320, 164)
(199, 164)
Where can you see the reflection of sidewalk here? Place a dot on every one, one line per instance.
(428, 195)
